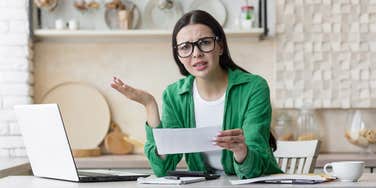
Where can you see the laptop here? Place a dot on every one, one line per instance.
(49, 151)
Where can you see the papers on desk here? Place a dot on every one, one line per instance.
(168, 181)
(285, 179)
(185, 140)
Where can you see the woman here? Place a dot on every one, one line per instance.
(215, 92)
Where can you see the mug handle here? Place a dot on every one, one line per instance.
(326, 172)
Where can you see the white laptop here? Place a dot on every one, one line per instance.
(48, 147)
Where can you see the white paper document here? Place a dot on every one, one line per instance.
(285, 179)
(185, 140)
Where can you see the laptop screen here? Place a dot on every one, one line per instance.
(46, 141)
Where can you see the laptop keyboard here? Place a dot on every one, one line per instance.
(107, 175)
(106, 172)
(80, 173)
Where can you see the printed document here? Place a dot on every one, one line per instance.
(185, 140)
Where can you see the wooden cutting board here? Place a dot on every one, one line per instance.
(86, 152)
(114, 142)
(85, 113)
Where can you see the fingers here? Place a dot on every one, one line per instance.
(231, 132)
(230, 139)
(231, 146)
(134, 94)
(117, 81)
(115, 84)
(230, 136)
(119, 85)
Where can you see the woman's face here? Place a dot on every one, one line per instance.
(201, 63)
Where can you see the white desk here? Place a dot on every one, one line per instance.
(367, 180)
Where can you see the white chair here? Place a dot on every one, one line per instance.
(297, 157)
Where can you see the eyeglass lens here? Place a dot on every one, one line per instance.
(206, 45)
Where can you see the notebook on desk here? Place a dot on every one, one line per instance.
(49, 151)
(285, 179)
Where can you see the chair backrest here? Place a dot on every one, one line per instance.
(297, 157)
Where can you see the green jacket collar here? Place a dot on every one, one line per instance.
(235, 77)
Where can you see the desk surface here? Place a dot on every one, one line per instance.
(367, 180)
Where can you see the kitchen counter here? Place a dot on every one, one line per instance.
(369, 159)
(14, 166)
(20, 165)
(140, 161)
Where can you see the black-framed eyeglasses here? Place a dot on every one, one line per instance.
(205, 44)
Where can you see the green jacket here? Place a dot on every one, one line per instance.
(247, 106)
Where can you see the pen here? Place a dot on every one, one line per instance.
(172, 177)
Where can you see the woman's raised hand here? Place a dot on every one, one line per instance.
(132, 93)
(141, 97)
(233, 140)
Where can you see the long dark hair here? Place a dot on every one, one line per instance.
(225, 60)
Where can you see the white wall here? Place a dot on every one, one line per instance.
(325, 53)
(15, 72)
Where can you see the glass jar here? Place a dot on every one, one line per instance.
(246, 17)
(283, 127)
(360, 130)
(307, 127)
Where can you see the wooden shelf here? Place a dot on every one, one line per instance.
(43, 34)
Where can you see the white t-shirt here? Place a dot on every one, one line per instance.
(209, 113)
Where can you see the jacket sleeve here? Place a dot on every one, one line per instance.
(160, 165)
(256, 127)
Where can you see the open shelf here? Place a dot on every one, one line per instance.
(44, 34)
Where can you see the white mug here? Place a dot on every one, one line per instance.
(73, 25)
(348, 171)
(59, 24)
